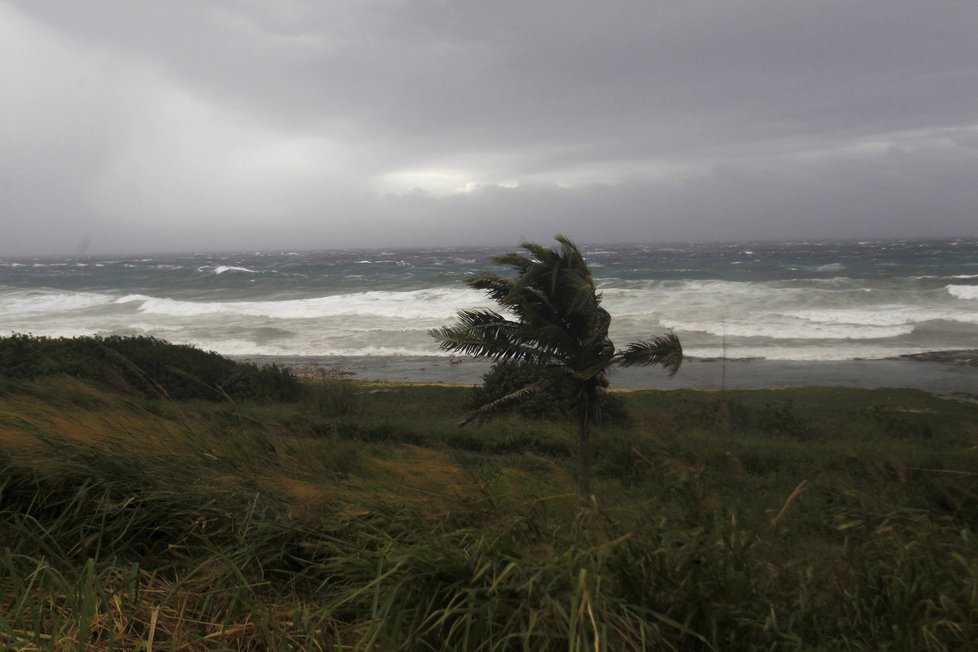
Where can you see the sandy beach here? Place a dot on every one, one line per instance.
(953, 373)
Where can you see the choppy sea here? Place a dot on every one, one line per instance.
(777, 301)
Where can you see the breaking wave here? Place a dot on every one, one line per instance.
(968, 292)
(791, 302)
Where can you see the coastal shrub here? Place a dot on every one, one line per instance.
(555, 400)
(147, 366)
(21, 358)
(269, 383)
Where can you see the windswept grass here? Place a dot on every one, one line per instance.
(776, 520)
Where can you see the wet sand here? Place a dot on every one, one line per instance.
(953, 373)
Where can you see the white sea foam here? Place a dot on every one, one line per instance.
(790, 329)
(40, 301)
(880, 317)
(244, 347)
(129, 298)
(968, 292)
(722, 297)
(421, 305)
(784, 311)
(805, 353)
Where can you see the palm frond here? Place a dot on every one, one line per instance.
(664, 350)
(513, 259)
(496, 287)
(489, 410)
(531, 305)
(475, 331)
(568, 246)
(577, 292)
(542, 255)
(487, 334)
(594, 360)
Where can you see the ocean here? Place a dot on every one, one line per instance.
(797, 301)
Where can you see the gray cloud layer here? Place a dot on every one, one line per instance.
(149, 126)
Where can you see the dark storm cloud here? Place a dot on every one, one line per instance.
(285, 124)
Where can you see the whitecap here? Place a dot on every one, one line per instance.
(38, 302)
(423, 305)
(220, 269)
(967, 292)
(831, 267)
(130, 298)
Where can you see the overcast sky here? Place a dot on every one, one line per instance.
(131, 126)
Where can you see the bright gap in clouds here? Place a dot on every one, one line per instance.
(447, 181)
(439, 182)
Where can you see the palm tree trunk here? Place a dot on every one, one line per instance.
(584, 473)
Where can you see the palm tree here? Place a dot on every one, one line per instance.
(553, 319)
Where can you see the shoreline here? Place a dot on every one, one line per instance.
(949, 373)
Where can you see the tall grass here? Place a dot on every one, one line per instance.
(742, 521)
(108, 568)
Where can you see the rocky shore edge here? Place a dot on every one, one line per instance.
(954, 357)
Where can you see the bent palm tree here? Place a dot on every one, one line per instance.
(557, 322)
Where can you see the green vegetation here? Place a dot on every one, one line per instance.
(559, 328)
(552, 400)
(149, 366)
(359, 517)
